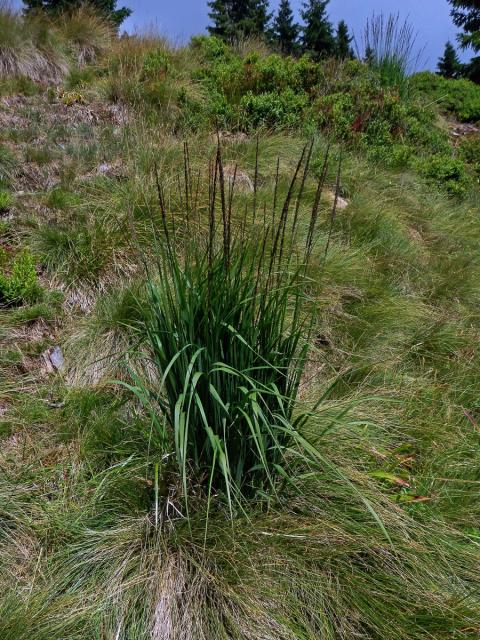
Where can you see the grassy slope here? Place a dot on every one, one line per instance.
(397, 329)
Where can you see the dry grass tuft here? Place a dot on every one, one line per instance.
(88, 34)
(29, 48)
(42, 50)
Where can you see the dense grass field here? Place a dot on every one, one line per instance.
(239, 328)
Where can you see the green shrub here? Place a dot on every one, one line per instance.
(276, 73)
(422, 132)
(470, 152)
(210, 48)
(156, 64)
(6, 201)
(448, 173)
(201, 112)
(351, 101)
(378, 121)
(366, 117)
(460, 97)
(221, 87)
(18, 278)
(273, 109)
(235, 76)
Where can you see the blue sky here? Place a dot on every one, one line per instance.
(179, 19)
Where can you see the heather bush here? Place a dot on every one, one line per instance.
(458, 97)
(470, 152)
(272, 109)
(449, 174)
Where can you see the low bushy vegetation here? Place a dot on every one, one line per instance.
(470, 151)
(6, 201)
(18, 278)
(445, 173)
(460, 98)
(239, 363)
(347, 100)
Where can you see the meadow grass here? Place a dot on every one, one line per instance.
(332, 390)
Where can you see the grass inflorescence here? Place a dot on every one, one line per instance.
(229, 337)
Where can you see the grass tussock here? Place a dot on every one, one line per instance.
(87, 35)
(306, 567)
(390, 47)
(42, 50)
(229, 341)
(29, 48)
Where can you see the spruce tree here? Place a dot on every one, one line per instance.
(343, 40)
(472, 70)
(233, 19)
(449, 65)
(220, 15)
(466, 14)
(108, 8)
(285, 30)
(369, 56)
(317, 38)
(257, 18)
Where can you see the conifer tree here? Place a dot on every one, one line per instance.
(449, 65)
(317, 38)
(472, 70)
(466, 14)
(220, 16)
(258, 18)
(343, 40)
(369, 56)
(107, 8)
(285, 30)
(233, 19)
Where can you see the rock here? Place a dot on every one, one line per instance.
(53, 359)
(415, 235)
(232, 136)
(110, 170)
(341, 202)
(104, 168)
(462, 129)
(243, 182)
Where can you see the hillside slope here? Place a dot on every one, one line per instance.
(377, 535)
